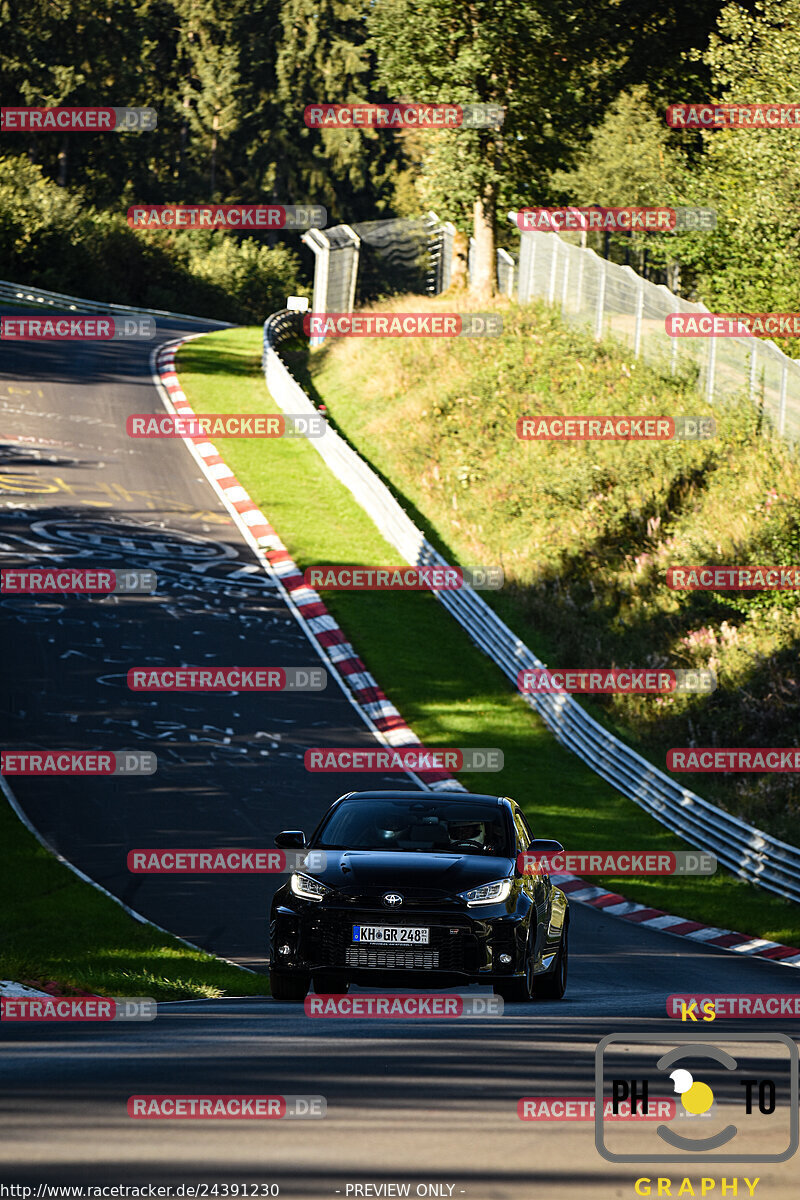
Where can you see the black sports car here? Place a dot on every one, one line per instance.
(419, 889)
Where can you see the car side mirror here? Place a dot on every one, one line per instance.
(545, 846)
(290, 839)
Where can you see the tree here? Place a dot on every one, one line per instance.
(554, 67)
(751, 176)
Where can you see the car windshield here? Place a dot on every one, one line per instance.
(439, 826)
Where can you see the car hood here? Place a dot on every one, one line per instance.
(427, 870)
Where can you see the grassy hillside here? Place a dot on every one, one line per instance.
(586, 530)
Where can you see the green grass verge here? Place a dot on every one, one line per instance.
(449, 692)
(56, 928)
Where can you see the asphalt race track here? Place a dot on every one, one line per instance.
(423, 1102)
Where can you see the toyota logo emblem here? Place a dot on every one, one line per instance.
(392, 899)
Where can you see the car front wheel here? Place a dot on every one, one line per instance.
(331, 985)
(289, 989)
(553, 985)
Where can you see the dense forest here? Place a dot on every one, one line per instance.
(584, 87)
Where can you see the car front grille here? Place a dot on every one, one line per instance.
(330, 944)
(415, 960)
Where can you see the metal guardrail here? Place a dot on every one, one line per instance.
(748, 852)
(21, 294)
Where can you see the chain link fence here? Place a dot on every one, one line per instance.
(614, 301)
(358, 263)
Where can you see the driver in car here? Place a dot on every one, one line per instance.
(469, 834)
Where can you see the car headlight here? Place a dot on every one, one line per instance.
(307, 887)
(487, 893)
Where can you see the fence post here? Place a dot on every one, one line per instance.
(527, 252)
(351, 291)
(753, 369)
(602, 266)
(505, 269)
(551, 289)
(565, 281)
(711, 367)
(579, 285)
(782, 408)
(316, 240)
(637, 330)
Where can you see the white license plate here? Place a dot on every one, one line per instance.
(392, 935)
